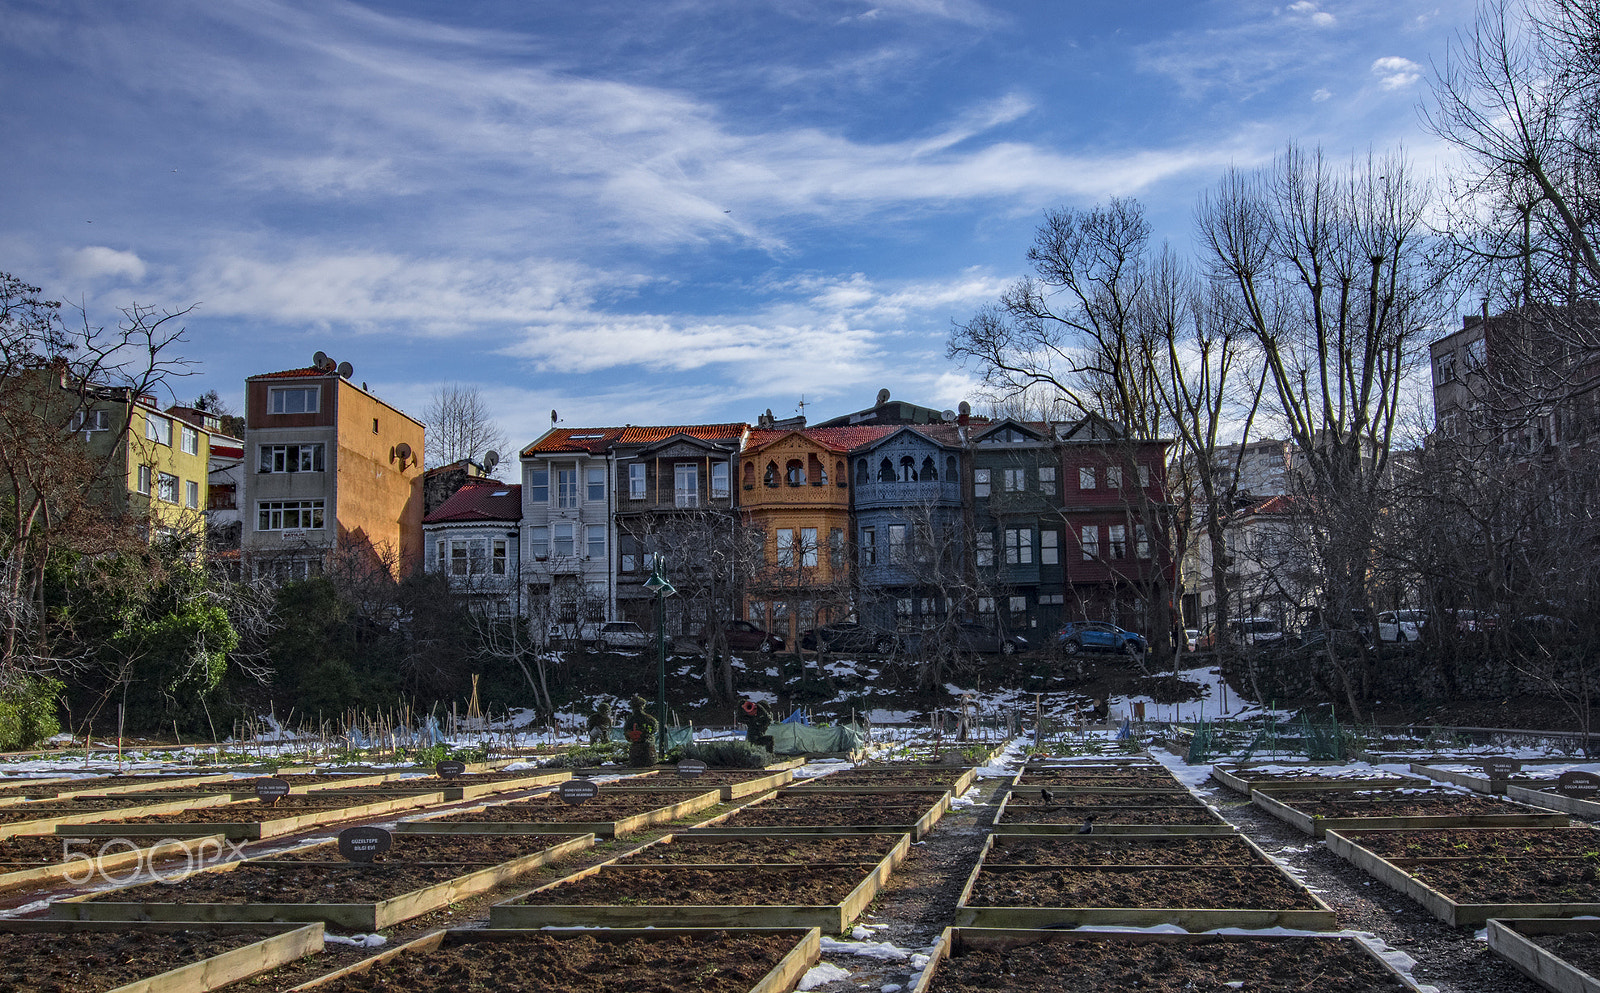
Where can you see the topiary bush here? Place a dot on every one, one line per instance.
(728, 754)
(28, 711)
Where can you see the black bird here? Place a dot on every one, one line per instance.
(1088, 825)
(1047, 796)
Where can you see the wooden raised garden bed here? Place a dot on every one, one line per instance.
(746, 960)
(1246, 780)
(613, 813)
(420, 873)
(812, 894)
(981, 960)
(838, 813)
(955, 779)
(1198, 883)
(34, 860)
(251, 820)
(1463, 889)
(1559, 955)
(88, 957)
(1132, 817)
(1317, 812)
(55, 815)
(768, 848)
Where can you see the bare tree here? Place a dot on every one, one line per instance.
(459, 426)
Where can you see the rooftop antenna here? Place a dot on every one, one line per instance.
(346, 370)
(801, 406)
(491, 458)
(321, 361)
(553, 418)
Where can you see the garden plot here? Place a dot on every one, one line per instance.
(658, 960)
(730, 784)
(1103, 812)
(1317, 811)
(828, 889)
(1474, 875)
(977, 960)
(252, 819)
(837, 811)
(471, 786)
(80, 957)
(1560, 955)
(40, 816)
(1315, 776)
(612, 813)
(420, 873)
(956, 779)
(768, 848)
(1492, 775)
(1198, 883)
(1152, 778)
(33, 860)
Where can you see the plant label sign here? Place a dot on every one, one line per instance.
(270, 790)
(1501, 768)
(690, 768)
(578, 791)
(1579, 784)
(363, 844)
(450, 769)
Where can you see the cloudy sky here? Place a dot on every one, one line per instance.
(640, 211)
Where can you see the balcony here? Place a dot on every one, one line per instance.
(913, 494)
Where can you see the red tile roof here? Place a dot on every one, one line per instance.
(480, 500)
(578, 440)
(1275, 505)
(840, 439)
(589, 440)
(705, 432)
(292, 374)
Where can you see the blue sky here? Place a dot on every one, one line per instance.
(640, 211)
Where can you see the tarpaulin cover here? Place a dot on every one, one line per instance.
(801, 739)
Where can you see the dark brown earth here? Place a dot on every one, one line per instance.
(1444, 804)
(801, 849)
(1064, 814)
(1073, 849)
(1509, 842)
(1163, 967)
(861, 815)
(293, 805)
(740, 886)
(1205, 888)
(92, 962)
(610, 805)
(1498, 880)
(1581, 951)
(468, 849)
(716, 963)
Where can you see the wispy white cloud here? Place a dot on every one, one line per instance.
(1309, 10)
(1320, 94)
(1395, 73)
(98, 262)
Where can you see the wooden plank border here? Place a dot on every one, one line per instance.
(247, 830)
(281, 945)
(430, 824)
(1509, 939)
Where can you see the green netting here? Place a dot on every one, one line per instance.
(802, 739)
(1200, 744)
(676, 737)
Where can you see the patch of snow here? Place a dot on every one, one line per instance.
(883, 951)
(358, 940)
(821, 974)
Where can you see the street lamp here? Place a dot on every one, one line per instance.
(657, 584)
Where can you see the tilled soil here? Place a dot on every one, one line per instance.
(1510, 842)
(468, 849)
(1072, 780)
(1024, 801)
(716, 963)
(767, 851)
(1067, 814)
(608, 806)
(1072, 849)
(1409, 805)
(245, 811)
(91, 962)
(1209, 888)
(740, 886)
(1581, 951)
(32, 849)
(1497, 880)
(863, 815)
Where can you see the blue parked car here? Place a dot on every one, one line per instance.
(1097, 636)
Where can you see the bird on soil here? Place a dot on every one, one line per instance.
(1047, 796)
(1088, 825)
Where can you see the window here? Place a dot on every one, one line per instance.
(908, 469)
(794, 473)
(785, 547)
(771, 476)
(1047, 480)
(189, 440)
(686, 484)
(1019, 546)
(1445, 369)
(897, 544)
(539, 541)
(1049, 547)
(597, 542)
(497, 557)
(167, 487)
(869, 546)
(293, 400)
(861, 471)
(885, 471)
(930, 472)
(1052, 599)
(1117, 541)
(719, 481)
(289, 515)
(986, 605)
(836, 549)
(636, 481)
(1085, 478)
(1114, 477)
(1475, 355)
(91, 420)
(1089, 541)
(985, 547)
(566, 487)
(440, 556)
(1014, 480)
(951, 474)
(539, 485)
(808, 547)
(157, 429)
(597, 482)
(1141, 539)
(561, 540)
(191, 494)
(291, 458)
(459, 565)
(1018, 607)
(1144, 477)
(980, 482)
(144, 479)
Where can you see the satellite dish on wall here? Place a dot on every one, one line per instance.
(321, 360)
(403, 450)
(345, 369)
(948, 415)
(491, 458)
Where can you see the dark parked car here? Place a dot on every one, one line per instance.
(746, 637)
(970, 636)
(1097, 636)
(850, 638)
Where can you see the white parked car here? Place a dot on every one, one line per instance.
(624, 634)
(1401, 625)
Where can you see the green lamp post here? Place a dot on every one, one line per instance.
(657, 584)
